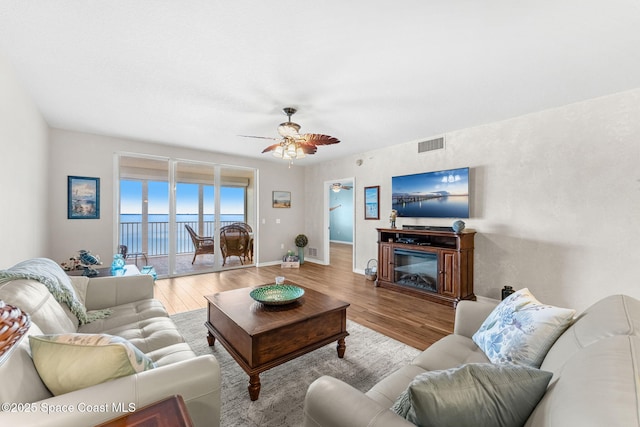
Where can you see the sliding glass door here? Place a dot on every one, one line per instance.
(171, 213)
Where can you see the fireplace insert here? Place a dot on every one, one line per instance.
(416, 269)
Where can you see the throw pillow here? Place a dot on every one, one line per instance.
(69, 362)
(476, 394)
(521, 329)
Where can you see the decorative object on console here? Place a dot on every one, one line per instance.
(441, 194)
(458, 226)
(301, 242)
(372, 202)
(294, 145)
(13, 325)
(521, 329)
(392, 218)
(83, 197)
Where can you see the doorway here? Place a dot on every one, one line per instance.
(340, 217)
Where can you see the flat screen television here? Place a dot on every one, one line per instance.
(440, 194)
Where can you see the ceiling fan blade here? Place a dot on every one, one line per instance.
(271, 148)
(308, 148)
(259, 137)
(318, 139)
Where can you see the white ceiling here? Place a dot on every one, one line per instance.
(371, 73)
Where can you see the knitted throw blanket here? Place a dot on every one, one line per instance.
(49, 273)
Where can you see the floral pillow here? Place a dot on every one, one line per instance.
(521, 330)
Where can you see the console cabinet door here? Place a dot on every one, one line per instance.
(385, 264)
(448, 273)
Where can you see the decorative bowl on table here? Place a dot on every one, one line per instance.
(277, 294)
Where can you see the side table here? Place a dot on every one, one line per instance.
(128, 270)
(170, 412)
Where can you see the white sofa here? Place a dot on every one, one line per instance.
(138, 318)
(595, 365)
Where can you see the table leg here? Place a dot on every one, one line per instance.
(341, 348)
(211, 339)
(254, 386)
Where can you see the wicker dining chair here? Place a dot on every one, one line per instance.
(203, 245)
(234, 241)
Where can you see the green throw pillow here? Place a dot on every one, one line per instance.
(521, 329)
(476, 394)
(69, 362)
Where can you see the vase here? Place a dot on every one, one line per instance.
(118, 262)
(301, 255)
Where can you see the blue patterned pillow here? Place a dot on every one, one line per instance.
(521, 330)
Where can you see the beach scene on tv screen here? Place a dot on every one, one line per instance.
(441, 194)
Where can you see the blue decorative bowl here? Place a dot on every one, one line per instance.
(277, 294)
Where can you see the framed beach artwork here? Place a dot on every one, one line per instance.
(83, 197)
(372, 202)
(281, 199)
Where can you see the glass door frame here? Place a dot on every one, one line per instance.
(172, 181)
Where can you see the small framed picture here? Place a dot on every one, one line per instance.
(83, 197)
(372, 202)
(281, 199)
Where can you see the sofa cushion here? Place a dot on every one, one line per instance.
(449, 352)
(611, 316)
(32, 297)
(20, 371)
(477, 394)
(69, 362)
(597, 386)
(521, 329)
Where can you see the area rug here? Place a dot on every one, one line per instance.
(369, 357)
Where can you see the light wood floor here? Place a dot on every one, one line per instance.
(408, 319)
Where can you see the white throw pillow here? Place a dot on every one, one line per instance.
(521, 329)
(68, 362)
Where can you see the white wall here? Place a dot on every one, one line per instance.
(23, 175)
(555, 198)
(75, 153)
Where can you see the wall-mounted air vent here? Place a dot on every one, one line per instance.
(430, 145)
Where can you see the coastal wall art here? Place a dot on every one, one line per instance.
(372, 202)
(281, 199)
(83, 197)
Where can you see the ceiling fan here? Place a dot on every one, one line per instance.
(294, 145)
(336, 187)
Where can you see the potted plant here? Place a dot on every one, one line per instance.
(301, 242)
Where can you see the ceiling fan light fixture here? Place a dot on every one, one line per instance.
(300, 153)
(289, 129)
(278, 152)
(336, 187)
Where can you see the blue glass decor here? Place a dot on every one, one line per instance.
(458, 226)
(118, 262)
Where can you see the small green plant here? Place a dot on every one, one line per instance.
(301, 240)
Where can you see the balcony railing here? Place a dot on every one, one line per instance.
(158, 236)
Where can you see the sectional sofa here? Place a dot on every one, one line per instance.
(593, 367)
(129, 313)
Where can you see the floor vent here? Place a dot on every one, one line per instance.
(313, 252)
(430, 145)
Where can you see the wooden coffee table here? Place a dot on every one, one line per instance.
(260, 336)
